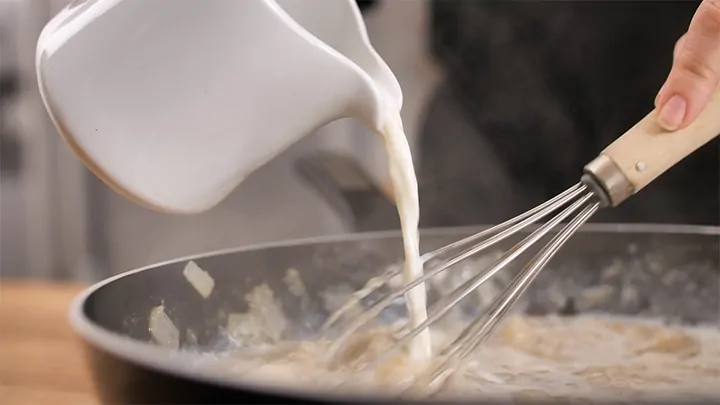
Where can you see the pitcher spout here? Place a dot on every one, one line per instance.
(375, 88)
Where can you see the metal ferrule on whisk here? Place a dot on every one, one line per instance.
(607, 181)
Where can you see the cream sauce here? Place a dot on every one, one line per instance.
(585, 358)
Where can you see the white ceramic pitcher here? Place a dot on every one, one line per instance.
(174, 102)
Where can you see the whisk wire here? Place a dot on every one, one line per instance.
(370, 287)
(510, 227)
(578, 200)
(523, 280)
(446, 303)
(509, 231)
(515, 224)
(483, 326)
(544, 208)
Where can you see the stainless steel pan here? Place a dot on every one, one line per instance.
(673, 272)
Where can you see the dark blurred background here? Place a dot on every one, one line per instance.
(504, 103)
(536, 90)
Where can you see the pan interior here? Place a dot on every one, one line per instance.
(659, 275)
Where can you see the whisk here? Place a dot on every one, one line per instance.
(625, 167)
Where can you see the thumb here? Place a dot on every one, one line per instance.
(696, 70)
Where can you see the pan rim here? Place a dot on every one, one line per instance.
(174, 363)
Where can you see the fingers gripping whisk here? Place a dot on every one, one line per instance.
(577, 200)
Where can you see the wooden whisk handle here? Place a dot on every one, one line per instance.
(646, 151)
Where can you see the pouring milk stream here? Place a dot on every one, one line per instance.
(173, 103)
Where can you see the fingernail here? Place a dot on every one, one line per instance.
(673, 113)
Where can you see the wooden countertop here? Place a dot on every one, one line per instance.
(41, 361)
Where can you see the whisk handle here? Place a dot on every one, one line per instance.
(646, 151)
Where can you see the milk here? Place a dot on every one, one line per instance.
(402, 174)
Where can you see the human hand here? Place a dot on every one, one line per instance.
(695, 73)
